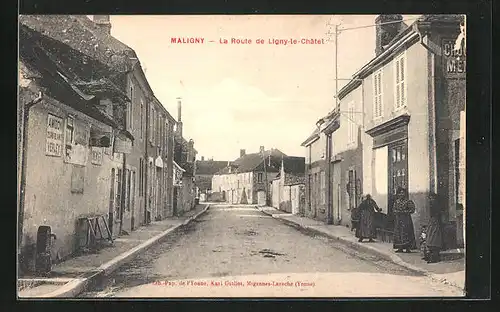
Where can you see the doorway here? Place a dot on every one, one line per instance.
(398, 171)
(132, 200)
(111, 208)
(174, 208)
(158, 194)
(336, 193)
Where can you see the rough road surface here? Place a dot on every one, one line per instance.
(237, 251)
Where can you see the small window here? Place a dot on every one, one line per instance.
(259, 177)
(70, 131)
(130, 113)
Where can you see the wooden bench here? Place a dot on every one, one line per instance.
(93, 231)
(385, 235)
(384, 227)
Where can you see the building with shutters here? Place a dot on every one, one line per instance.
(399, 125)
(94, 89)
(205, 170)
(287, 190)
(72, 129)
(184, 190)
(247, 180)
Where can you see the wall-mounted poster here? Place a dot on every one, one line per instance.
(122, 145)
(77, 179)
(97, 155)
(54, 142)
(77, 138)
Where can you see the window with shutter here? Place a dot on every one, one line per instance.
(323, 187)
(377, 94)
(150, 125)
(141, 118)
(400, 83)
(130, 114)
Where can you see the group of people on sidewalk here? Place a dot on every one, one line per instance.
(363, 221)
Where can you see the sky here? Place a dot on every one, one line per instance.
(243, 96)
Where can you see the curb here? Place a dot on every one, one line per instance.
(366, 248)
(79, 285)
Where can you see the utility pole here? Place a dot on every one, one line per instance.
(265, 173)
(329, 141)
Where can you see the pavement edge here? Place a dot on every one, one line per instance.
(79, 285)
(366, 248)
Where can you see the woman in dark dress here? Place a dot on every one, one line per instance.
(366, 226)
(434, 237)
(354, 218)
(404, 235)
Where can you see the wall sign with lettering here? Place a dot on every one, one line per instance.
(453, 60)
(54, 142)
(77, 139)
(97, 155)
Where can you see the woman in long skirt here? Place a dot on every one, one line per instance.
(404, 235)
(434, 237)
(366, 227)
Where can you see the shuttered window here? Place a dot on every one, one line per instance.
(377, 95)
(400, 83)
(323, 187)
(351, 130)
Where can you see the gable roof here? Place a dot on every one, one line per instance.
(251, 162)
(406, 34)
(294, 165)
(209, 166)
(51, 74)
(311, 138)
(82, 34)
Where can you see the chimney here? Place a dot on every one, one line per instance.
(242, 152)
(191, 155)
(103, 22)
(179, 109)
(179, 117)
(388, 26)
(202, 158)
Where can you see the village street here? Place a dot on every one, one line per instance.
(237, 251)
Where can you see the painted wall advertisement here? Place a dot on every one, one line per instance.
(54, 142)
(97, 155)
(76, 150)
(122, 145)
(453, 60)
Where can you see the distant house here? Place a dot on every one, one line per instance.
(247, 179)
(184, 191)
(288, 188)
(205, 170)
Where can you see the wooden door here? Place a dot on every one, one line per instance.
(398, 170)
(132, 201)
(111, 207)
(118, 202)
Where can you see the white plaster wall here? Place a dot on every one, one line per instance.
(49, 200)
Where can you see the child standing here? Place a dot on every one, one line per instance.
(423, 244)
